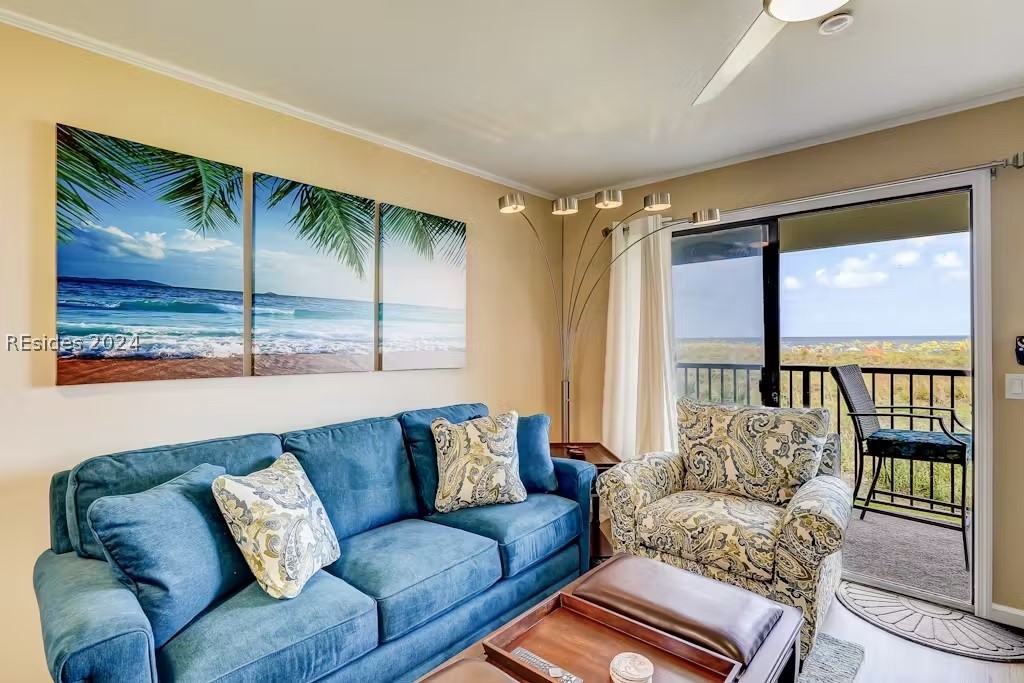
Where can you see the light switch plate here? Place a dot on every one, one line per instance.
(1015, 386)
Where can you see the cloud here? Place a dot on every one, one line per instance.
(852, 273)
(948, 259)
(116, 242)
(921, 242)
(958, 274)
(902, 259)
(790, 282)
(194, 243)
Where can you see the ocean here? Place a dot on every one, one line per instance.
(100, 318)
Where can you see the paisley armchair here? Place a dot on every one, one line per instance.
(785, 544)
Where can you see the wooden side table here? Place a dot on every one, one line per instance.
(603, 459)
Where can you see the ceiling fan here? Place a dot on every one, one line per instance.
(771, 21)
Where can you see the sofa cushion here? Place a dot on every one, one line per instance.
(416, 570)
(535, 465)
(731, 533)
(361, 471)
(253, 637)
(134, 471)
(751, 451)
(171, 547)
(420, 442)
(526, 532)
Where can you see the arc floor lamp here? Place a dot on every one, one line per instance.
(569, 309)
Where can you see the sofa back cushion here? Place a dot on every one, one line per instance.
(752, 451)
(134, 471)
(420, 441)
(533, 440)
(360, 470)
(170, 545)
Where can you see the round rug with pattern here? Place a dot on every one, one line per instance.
(934, 626)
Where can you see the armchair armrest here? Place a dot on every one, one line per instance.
(93, 626)
(635, 484)
(575, 481)
(815, 521)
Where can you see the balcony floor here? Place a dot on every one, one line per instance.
(918, 555)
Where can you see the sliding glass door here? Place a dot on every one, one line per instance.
(726, 313)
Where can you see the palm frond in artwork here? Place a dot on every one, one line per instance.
(429, 236)
(92, 167)
(205, 193)
(337, 224)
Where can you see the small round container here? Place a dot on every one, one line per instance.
(630, 667)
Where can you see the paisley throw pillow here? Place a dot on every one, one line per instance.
(279, 524)
(750, 451)
(477, 462)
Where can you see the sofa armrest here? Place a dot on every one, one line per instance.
(93, 626)
(635, 484)
(815, 521)
(831, 456)
(576, 481)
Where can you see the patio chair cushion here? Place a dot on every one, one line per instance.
(906, 444)
(734, 534)
(752, 451)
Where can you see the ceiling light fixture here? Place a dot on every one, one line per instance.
(657, 201)
(566, 206)
(513, 202)
(801, 10)
(832, 25)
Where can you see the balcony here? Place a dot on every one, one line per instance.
(925, 557)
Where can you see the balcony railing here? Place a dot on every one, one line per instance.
(813, 386)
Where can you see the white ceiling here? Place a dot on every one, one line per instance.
(565, 96)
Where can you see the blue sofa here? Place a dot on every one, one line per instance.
(412, 586)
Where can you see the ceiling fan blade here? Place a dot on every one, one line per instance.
(758, 36)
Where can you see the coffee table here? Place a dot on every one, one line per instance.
(776, 660)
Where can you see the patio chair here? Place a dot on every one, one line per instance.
(945, 446)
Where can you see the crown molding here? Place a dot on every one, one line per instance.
(194, 78)
(835, 136)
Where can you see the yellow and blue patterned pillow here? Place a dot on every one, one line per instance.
(279, 524)
(750, 451)
(477, 462)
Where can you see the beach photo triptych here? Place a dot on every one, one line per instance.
(151, 284)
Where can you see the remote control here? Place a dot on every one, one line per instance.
(554, 672)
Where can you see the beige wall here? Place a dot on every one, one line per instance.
(512, 342)
(941, 144)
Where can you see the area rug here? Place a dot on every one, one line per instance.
(832, 661)
(940, 628)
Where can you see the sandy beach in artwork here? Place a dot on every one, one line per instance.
(310, 363)
(99, 370)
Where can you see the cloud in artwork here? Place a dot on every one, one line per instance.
(115, 242)
(193, 243)
(791, 283)
(852, 273)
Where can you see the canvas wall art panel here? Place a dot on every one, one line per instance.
(313, 279)
(422, 315)
(149, 262)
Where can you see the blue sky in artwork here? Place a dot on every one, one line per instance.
(909, 287)
(143, 239)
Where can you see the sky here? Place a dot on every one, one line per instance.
(145, 240)
(909, 287)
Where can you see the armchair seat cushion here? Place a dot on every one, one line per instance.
(417, 571)
(526, 532)
(734, 534)
(909, 444)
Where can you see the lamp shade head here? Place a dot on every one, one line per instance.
(801, 10)
(608, 199)
(706, 217)
(513, 202)
(565, 206)
(657, 201)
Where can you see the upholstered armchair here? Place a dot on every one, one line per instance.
(750, 500)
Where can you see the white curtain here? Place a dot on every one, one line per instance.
(639, 374)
